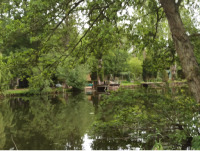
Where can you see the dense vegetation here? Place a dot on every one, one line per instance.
(62, 41)
(39, 38)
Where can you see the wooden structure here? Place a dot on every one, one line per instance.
(102, 87)
(105, 87)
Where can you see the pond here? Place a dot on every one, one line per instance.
(63, 122)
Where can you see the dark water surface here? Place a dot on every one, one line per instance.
(57, 122)
(54, 122)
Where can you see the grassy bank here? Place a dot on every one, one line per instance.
(27, 92)
(130, 83)
(17, 91)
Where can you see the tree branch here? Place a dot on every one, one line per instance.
(194, 35)
(158, 20)
(80, 40)
(75, 5)
(85, 33)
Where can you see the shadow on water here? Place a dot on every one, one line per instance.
(62, 121)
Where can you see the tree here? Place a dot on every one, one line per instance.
(76, 77)
(135, 66)
(115, 61)
(183, 45)
(147, 29)
(5, 76)
(148, 70)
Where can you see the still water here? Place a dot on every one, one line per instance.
(53, 122)
(61, 122)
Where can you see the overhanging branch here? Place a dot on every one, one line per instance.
(75, 5)
(80, 40)
(194, 35)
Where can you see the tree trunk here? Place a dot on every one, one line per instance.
(183, 46)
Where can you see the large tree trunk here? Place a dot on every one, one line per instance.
(183, 46)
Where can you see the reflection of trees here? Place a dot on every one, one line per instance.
(51, 125)
(6, 120)
(2, 133)
(143, 114)
(116, 144)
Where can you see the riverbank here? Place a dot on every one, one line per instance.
(27, 92)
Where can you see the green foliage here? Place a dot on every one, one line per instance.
(46, 35)
(157, 146)
(77, 77)
(196, 143)
(148, 70)
(165, 76)
(135, 66)
(125, 82)
(115, 61)
(40, 81)
(137, 82)
(5, 76)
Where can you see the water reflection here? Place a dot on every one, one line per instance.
(64, 122)
(142, 114)
(45, 122)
